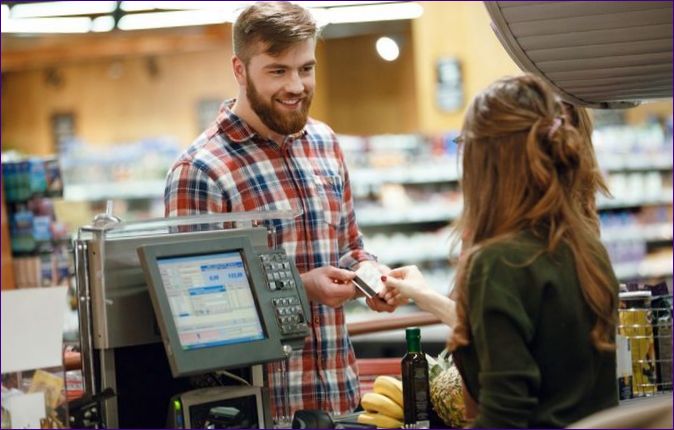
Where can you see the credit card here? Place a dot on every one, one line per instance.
(368, 280)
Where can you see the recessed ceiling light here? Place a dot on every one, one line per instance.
(387, 48)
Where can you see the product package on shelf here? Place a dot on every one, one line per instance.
(39, 243)
(646, 322)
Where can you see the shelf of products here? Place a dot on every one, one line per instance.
(132, 175)
(406, 192)
(39, 243)
(123, 171)
(124, 190)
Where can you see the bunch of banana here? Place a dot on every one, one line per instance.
(384, 406)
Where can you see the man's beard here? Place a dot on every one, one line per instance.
(283, 123)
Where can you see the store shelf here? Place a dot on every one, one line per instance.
(424, 247)
(448, 169)
(645, 233)
(437, 250)
(150, 189)
(664, 197)
(431, 172)
(627, 162)
(419, 213)
(643, 270)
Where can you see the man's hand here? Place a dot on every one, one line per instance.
(329, 285)
(378, 304)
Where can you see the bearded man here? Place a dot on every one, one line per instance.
(263, 152)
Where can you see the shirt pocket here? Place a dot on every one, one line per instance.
(329, 193)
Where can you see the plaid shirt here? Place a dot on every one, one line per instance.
(230, 168)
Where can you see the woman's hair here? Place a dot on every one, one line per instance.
(278, 25)
(594, 181)
(524, 168)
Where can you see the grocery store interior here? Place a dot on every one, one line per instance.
(99, 98)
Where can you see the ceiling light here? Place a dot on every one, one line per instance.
(374, 12)
(103, 23)
(61, 8)
(387, 48)
(47, 25)
(140, 21)
(314, 4)
(136, 6)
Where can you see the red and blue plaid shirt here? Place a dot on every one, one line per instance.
(230, 168)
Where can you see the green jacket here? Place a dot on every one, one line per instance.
(531, 362)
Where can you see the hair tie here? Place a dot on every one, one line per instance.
(556, 123)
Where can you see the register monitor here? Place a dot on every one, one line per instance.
(220, 303)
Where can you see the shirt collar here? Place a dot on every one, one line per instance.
(238, 130)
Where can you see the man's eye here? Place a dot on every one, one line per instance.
(308, 68)
(277, 72)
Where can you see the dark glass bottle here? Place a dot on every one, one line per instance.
(416, 394)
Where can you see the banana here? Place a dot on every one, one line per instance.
(389, 387)
(375, 402)
(379, 420)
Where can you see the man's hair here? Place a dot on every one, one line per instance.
(278, 25)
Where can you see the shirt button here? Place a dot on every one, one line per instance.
(317, 321)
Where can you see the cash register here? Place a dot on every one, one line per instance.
(221, 303)
(165, 302)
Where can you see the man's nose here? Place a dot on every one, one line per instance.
(294, 83)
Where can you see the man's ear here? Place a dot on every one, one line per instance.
(239, 69)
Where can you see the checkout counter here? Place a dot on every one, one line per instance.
(163, 303)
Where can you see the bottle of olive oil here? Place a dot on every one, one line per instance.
(416, 395)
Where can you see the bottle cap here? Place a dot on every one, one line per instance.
(413, 333)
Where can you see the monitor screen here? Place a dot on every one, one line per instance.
(214, 304)
(210, 299)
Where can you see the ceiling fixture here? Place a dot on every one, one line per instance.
(141, 6)
(97, 16)
(387, 48)
(61, 8)
(47, 25)
(103, 24)
(374, 12)
(183, 18)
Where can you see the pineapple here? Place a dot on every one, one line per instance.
(446, 391)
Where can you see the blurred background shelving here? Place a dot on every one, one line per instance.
(117, 107)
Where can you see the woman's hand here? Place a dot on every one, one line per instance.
(408, 283)
(377, 303)
(404, 283)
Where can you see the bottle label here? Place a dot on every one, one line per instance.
(416, 395)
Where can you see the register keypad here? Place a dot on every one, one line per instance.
(279, 275)
(289, 314)
(280, 279)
